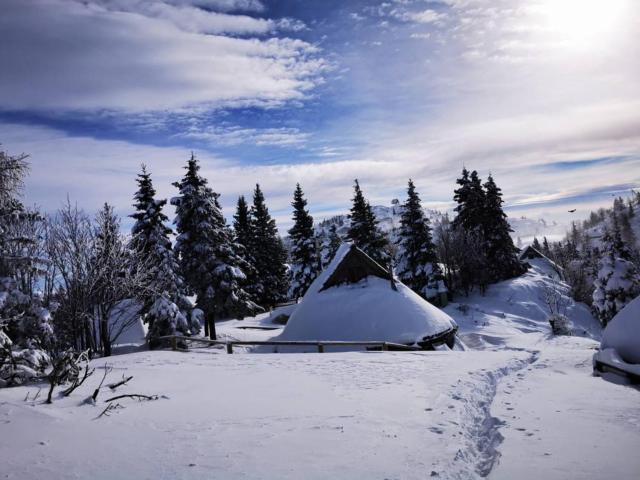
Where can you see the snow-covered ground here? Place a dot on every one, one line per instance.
(518, 404)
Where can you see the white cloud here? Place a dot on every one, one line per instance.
(132, 62)
(93, 171)
(426, 16)
(189, 17)
(224, 5)
(235, 135)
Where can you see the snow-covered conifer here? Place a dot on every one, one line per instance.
(330, 245)
(244, 239)
(153, 251)
(364, 230)
(416, 261)
(618, 280)
(502, 254)
(304, 254)
(207, 252)
(269, 254)
(26, 332)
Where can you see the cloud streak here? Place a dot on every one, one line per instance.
(135, 61)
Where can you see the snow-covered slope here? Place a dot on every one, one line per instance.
(518, 306)
(524, 405)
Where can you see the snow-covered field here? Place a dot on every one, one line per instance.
(517, 404)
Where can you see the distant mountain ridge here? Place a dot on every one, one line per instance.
(389, 220)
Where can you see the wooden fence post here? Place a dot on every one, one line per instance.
(229, 348)
(385, 347)
(174, 343)
(320, 348)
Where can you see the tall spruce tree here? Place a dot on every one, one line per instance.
(470, 258)
(416, 261)
(242, 223)
(244, 237)
(304, 252)
(470, 199)
(502, 254)
(153, 251)
(270, 256)
(481, 227)
(208, 259)
(364, 231)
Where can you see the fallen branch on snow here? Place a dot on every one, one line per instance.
(107, 370)
(139, 396)
(124, 381)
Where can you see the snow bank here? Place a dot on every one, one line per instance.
(369, 310)
(623, 332)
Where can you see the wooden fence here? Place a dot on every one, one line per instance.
(320, 345)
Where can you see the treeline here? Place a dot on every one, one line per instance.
(70, 281)
(600, 257)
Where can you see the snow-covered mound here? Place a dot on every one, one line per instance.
(623, 332)
(368, 310)
(520, 306)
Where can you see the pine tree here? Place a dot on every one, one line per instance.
(618, 279)
(153, 251)
(269, 253)
(546, 249)
(244, 238)
(536, 244)
(242, 223)
(416, 261)
(470, 198)
(207, 252)
(364, 231)
(304, 254)
(331, 245)
(468, 232)
(502, 254)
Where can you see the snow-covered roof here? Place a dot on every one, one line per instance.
(623, 332)
(367, 310)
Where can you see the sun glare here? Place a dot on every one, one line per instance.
(581, 23)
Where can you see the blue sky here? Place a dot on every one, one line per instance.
(543, 94)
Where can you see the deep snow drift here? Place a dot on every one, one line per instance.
(623, 332)
(525, 406)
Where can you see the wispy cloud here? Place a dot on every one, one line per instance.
(236, 135)
(525, 91)
(137, 56)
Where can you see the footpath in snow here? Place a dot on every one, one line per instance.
(556, 420)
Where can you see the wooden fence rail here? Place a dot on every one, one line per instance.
(603, 367)
(320, 345)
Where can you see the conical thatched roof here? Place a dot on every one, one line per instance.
(353, 267)
(356, 299)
